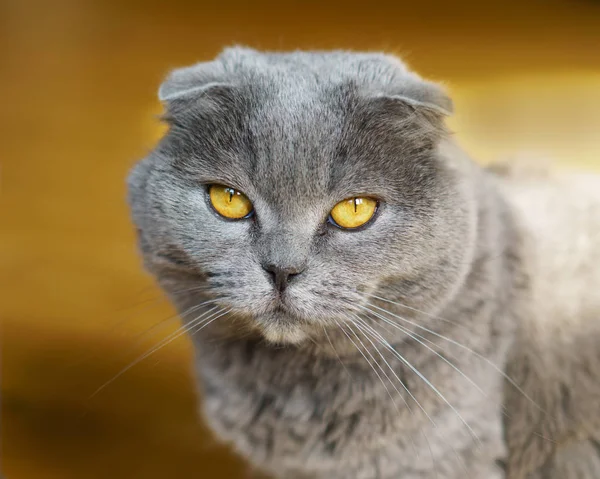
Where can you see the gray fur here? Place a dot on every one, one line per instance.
(280, 379)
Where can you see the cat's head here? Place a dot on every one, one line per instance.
(289, 187)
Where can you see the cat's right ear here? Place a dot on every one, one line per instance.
(192, 81)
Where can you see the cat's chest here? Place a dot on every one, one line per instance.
(314, 422)
(320, 419)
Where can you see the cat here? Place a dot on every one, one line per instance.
(364, 300)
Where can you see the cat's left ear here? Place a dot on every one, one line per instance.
(193, 80)
(421, 94)
(417, 102)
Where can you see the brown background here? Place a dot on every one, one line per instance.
(78, 81)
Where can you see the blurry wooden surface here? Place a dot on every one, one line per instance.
(78, 81)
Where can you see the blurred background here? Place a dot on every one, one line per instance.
(78, 80)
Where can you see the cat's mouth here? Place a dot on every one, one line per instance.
(282, 305)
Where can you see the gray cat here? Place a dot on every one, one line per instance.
(364, 300)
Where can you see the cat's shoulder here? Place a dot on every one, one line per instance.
(554, 418)
(558, 212)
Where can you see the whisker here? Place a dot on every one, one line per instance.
(174, 317)
(335, 352)
(433, 388)
(486, 360)
(415, 338)
(368, 362)
(201, 327)
(162, 296)
(429, 315)
(423, 432)
(387, 377)
(466, 348)
(387, 364)
(173, 336)
(435, 470)
(388, 346)
(187, 327)
(462, 462)
(90, 355)
(153, 300)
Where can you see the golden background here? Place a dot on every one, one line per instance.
(78, 81)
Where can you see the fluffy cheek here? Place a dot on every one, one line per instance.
(242, 288)
(364, 258)
(416, 257)
(234, 275)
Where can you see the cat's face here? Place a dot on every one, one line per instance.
(236, 202)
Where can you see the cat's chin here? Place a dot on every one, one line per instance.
(287, 335)
(282, 330)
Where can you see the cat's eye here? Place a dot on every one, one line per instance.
(353, 213)
(229, 202)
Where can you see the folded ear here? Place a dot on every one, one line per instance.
(192, 80)
(426, 94)
(420, 93)
(418, 106)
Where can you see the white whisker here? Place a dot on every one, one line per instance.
(374, 333)
(388, 378)
(432, 316)
(172, 337)
(202, 326)
(480, 356)
(388, 346)
(415, 338)
(358, 325)
(368, 362)
(186, 327)
(174, 317)
(336, 353)
(433, 388)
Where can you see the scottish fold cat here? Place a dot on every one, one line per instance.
(364, 300)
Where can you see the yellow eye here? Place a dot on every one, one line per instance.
(230, 203)
(353, 212)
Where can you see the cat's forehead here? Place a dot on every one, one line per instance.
(307, 144)
(296, 136)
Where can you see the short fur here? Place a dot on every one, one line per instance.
(306, 383)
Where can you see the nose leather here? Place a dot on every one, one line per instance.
(282, 276)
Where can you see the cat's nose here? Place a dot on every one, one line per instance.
(280, 276)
